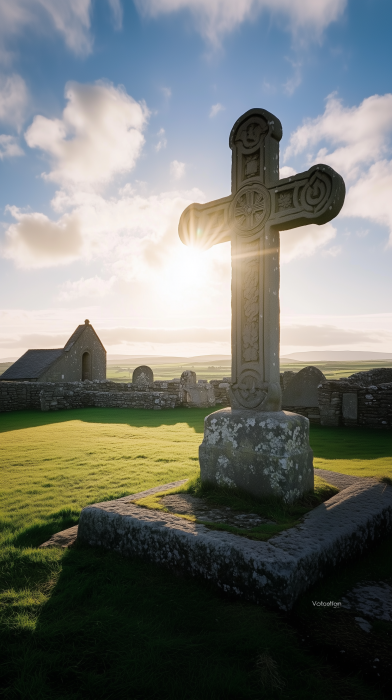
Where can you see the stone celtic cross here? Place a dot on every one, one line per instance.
(259, 206)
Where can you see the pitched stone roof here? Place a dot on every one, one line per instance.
(75, 335)
(32, 364)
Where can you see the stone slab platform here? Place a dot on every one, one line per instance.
(275, 572)
(66, 538)
(63, 539)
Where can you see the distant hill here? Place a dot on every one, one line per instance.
(4, 365)
(156, 360)
(338, 356)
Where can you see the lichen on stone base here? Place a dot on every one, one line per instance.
(262, 453)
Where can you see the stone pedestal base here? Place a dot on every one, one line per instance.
(262, 453)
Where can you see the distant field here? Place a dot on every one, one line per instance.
(122, 372)
(4, 366)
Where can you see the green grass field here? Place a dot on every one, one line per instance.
(84, 623)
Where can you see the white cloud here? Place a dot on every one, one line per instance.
(9, 147)
(166, 92)
(71, 18)
(326, 335)
(286, 171)
(370, 197)
(123, 333)
(99, 135)
(115, 336)
(333, 251)
(162, 143)
(126, 336)
(304, 241)
(177, 169)
(214, 18)
(129, 232)
(117, 13)
(352, 136)
(13, 100)
(356, 141)
(136, 239)
(292, 83)
(92, 287)
(215, 109)
(36, 241)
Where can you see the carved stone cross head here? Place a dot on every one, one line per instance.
(260, 205)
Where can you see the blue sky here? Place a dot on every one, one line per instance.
(115, 115)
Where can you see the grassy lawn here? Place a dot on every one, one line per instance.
(355, 451)
(84, 623)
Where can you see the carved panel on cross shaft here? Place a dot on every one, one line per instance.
(251, 165)
(250, 310)
(285, 200)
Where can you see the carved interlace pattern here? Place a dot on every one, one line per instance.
(316, 192)
(250, 328)
(250, 136)
(249, 210)
(285, 201)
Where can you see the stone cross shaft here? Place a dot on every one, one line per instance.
(259, 206)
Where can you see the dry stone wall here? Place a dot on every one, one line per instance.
(221, 390)
(352, 401)
(55, 396)
(17, 396)
(343, 402)
(59, 397)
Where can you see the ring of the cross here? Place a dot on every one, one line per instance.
(250, 209)
(249, 391)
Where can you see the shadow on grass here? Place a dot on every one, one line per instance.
(330, 629)
(121, 628)
(137, 417)
(37, 534)
(350, 443)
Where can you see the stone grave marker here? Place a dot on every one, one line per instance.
(302, 389)
(197, 394)
(254, 444)
(143, 376)
(188, 378)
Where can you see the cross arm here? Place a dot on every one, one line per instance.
(204, 225)
(313, 197)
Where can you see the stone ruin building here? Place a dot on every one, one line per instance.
(83, 357)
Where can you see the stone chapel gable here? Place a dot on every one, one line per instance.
(83, 357)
